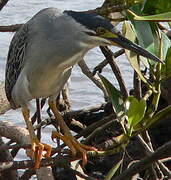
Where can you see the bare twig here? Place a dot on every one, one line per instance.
(34, 117)
(10, 28)
(55, 161)
(109, 56)
(24, 146)
(91, 76)
(38, 107)
(162, 152)
(164, 169)
(73, 114)
(101, 65)
(137, 86)
(95, 108)
(99, 130)
(154, 169)
(90, 129)
(95, 125)
(45, 122)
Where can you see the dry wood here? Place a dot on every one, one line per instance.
(21, 136)
(13, 132)
(92, 77)
(10, 28)
(4, 104)
(162, 152)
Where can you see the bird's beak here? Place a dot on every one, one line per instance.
(116, 38)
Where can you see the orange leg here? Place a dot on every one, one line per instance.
(67, 138)
(37, 148)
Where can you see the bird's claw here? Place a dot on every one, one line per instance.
(74, 145)
(39, 150)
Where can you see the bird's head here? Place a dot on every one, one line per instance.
(101, 29)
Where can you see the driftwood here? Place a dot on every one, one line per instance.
(21, 136)
(4, 104)
(15, 133)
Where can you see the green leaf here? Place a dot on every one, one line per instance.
(166, 44)
(166, 70)
(158, 117)
(115, 96)
(136, 110)
(145, 38)
(158, 17)
(166, 54)
(112, 171)
(132, 57)
(146, 33)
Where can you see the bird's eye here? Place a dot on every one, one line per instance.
(100, 30)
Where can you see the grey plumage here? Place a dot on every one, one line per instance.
(15, 61)
(37, 50)
(40, 59)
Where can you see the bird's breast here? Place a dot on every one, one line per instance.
(49, 78)
(71, 61)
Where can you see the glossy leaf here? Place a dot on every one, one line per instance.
(166, 44)
(132, 57)
(146, 33)
(143, 29)
(148, 36)
(114, 94)
(136, 110)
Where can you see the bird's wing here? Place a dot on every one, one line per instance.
(15, 59)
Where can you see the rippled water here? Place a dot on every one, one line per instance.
(83, 92)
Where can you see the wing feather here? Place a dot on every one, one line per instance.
(15, 60)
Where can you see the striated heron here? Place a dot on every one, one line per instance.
(40, 59)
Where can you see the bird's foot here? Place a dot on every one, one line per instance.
(38, 151)
(74, 145)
